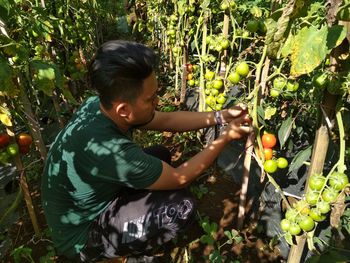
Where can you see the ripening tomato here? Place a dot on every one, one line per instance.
(268, 153)
(189, 76)
(24, 139)
(4, 140)
(269, 140)
(302, 207)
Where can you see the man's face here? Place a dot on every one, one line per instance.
(145, 105)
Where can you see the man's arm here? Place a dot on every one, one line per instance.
(174, 178)
(181, 121)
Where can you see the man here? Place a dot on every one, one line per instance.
(103, 195)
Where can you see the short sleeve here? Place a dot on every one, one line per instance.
(131, 166)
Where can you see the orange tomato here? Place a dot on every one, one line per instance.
(268, 140)
(267, 153)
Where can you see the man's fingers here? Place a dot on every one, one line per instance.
(246, 129)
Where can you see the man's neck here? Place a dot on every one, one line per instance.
(124, 127)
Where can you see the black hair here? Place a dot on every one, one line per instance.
(119, 69)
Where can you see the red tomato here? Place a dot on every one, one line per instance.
(4, 139)
(24, 139)
(189, 67)
(269, 140)
(24, 149)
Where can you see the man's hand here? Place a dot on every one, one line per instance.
(230, 114)
(239, 126)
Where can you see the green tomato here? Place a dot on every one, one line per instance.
(4, 157)
(270, 166)
(291, 214)
(285, 224)
(210, 100)
(320, 80)
(282, 163)
(252, 26)
(224, 6)
(209, 75)
(294, 229)
(224, 43)
(338, 180)
(217, 84)
(12, 149)
(221, 99)
(274, 93)
(312, 197)
(306, 223)
(329, 195)
(316, 215)
(316, 182)
(242, 69)
(214, 92)
(279, 83)
(191, 82)
(234, 77)
(292, 86)
(218, 107)
(323, 207)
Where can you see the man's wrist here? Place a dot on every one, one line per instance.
(218, 117)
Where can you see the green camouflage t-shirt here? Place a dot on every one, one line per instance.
(88, 163)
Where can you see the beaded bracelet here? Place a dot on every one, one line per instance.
(218, 119)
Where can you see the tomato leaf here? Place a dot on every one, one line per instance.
(308, 50)
(285, 130)
(289, 239)
(300, 158)
(336, 35)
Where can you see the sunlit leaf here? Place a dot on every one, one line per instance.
(285, 130)
(300, 158)
(308, 50)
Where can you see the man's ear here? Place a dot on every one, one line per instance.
(123, 110)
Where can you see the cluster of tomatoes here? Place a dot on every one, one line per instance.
(321, 193)
(271, 165)
(214, 85)
(284, 86)
(9, 149)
